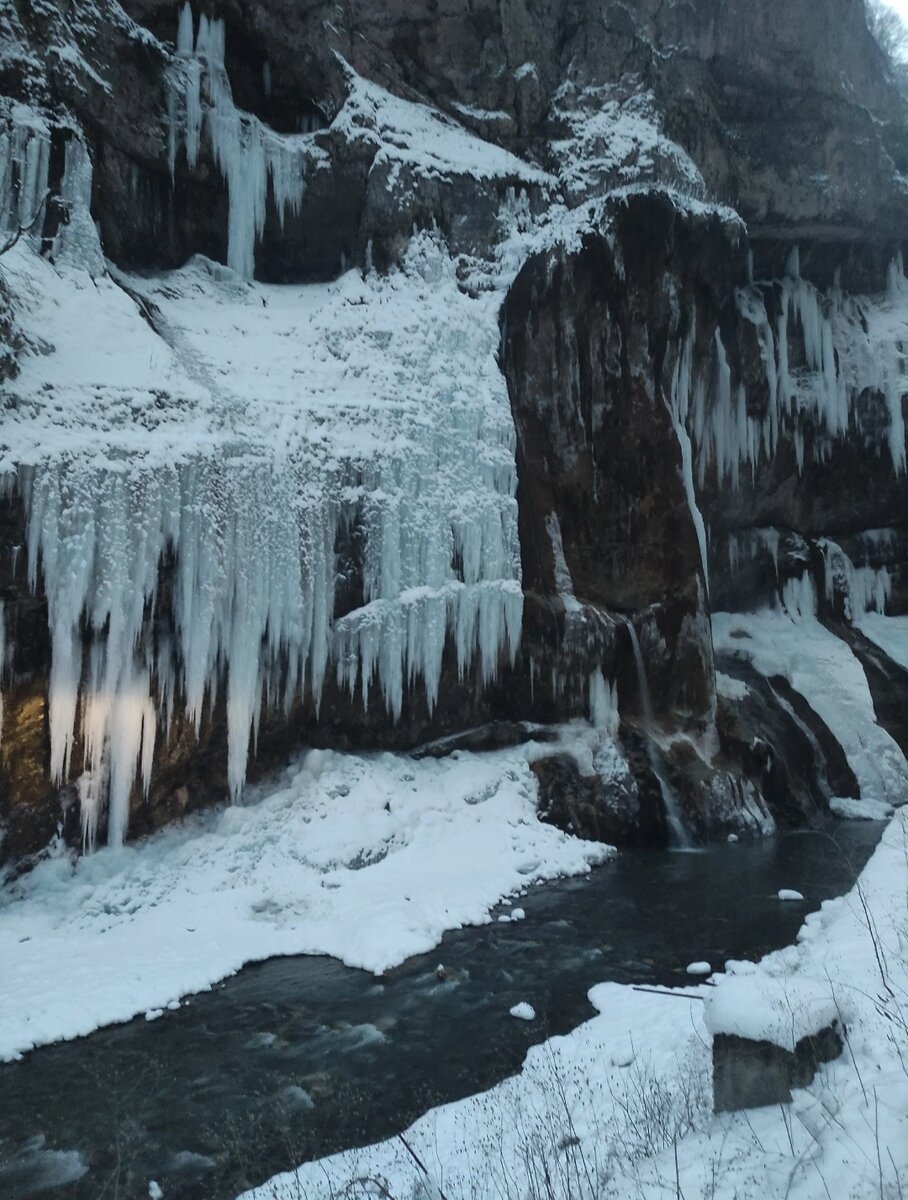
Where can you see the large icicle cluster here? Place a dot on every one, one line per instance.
(850, 345)
(249, 154)
(364, 418)
(860, 587)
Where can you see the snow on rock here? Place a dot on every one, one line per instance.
(824, 671)
(366, 858)
(418, 136)
(766, 1009)
(729, 688)
(860, 810)
(243, 436)
(523, 1011)
(699, 968)
(889, 633)
(614, 139)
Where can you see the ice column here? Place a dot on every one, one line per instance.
(249, 154)
(24, 161)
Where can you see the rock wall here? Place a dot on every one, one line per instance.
(690, 220)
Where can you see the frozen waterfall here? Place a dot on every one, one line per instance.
(192, 504)
(847, 345)
(249, 154)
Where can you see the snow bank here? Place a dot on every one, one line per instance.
(369, 859)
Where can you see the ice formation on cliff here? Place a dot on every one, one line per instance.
(249, 154)
(851, 345)
(193, 495)
(24, 160)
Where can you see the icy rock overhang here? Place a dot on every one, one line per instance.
(231, 452)
(407, 147)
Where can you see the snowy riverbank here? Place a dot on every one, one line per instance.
(366, 858)
(622, 1106)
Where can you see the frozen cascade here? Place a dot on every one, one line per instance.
(682, 386)
(604, 712)
(248, 153)
(799, 597)
(851, 344)
(864, 589)
(24, 162)
(252, 599)
(679, 834)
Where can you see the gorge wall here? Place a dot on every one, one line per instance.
(414, 376)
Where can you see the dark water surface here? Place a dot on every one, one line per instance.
(298, 1057)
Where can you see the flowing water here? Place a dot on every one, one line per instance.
(301, 1056)
(680, 838)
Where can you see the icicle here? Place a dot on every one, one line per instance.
(249, 155)
(682, 386)
(185, 33)
(603, 704)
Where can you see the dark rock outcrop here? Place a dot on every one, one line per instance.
(749, 1074)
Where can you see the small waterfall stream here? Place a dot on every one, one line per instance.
(679, 837)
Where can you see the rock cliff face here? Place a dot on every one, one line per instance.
(545, 329)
